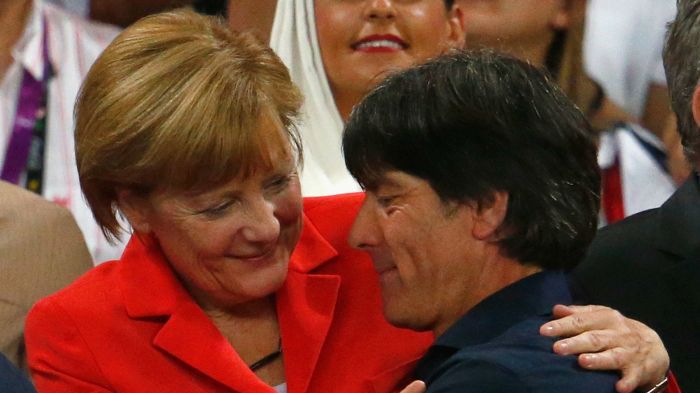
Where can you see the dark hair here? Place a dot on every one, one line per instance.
(211, 7)
(472, 123)
(682, 64)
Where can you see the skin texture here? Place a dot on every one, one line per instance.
(230, 245)
(435, 260)
(254, 15)
(425, 28)
(13, 14)
(125, 12)
(523, 28)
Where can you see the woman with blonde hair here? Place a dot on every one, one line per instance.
(187, 129)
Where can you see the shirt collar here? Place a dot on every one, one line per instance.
(29, 49)
(533, 295)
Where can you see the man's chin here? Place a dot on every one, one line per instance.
(405, 320)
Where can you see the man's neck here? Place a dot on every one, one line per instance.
(13, 18)
(497, 274)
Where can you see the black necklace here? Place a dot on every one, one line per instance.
(267, 359)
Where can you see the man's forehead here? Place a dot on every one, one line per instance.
(395, 180)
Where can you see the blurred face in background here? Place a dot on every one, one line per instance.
(523, 28)
(363, 40)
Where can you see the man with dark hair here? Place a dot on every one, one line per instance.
(481, 191)
(647, 265)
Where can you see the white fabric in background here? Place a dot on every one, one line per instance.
(294, 40)
(622, 48)
(78, 7)
(74, 44)
(645, 184)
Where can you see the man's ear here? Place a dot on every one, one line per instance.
(489, 217)
(695, 105)
(136, 209)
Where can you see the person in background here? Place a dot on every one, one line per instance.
(125, 12)
(648, 265)
(44, 54)
(353, 46)
(77, 7)
(187, 129)
(622, 46)
(41, 251)
(623, 41)
(550, 34)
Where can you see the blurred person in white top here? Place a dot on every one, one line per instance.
(72, 44)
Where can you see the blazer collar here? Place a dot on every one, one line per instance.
(679, 230)
(305, 306)
(679, 235)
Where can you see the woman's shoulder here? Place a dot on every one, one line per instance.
(95, 289)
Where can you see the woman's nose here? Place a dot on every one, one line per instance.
(262, 226)
(380, 9)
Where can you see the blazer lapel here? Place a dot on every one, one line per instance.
(152, 290)
(679, 235)
(679, 228)
(305, 307)
(191, 337)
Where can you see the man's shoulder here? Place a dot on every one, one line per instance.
(519, 360)
(635, 232)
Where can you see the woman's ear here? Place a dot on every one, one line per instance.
(136, 209)
(695, 105)
(489, 217)
(456, 23)
(568, 12)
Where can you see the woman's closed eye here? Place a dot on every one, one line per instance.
(280, 183)
(218, 209)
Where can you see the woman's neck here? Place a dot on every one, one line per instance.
(346, 100)
(253, 331)
(13, 18)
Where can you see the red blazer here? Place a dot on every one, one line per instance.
(130, 326)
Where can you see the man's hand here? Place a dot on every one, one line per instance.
(414, 387)
(607, 340)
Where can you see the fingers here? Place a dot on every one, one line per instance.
(415, 387)
(628, 382)
(607, 340)
(594, 341)
(580, 319)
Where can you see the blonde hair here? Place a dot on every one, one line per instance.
(175, 102)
